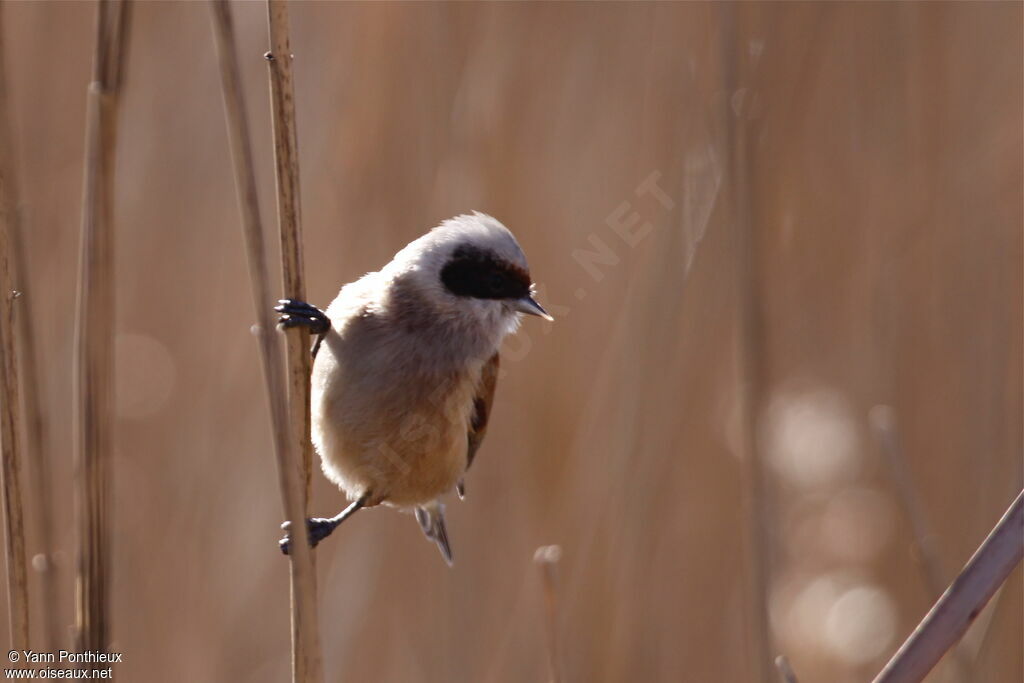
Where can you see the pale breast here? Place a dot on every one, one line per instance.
(389, 416)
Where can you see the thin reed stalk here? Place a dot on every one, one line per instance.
(751, 371)
(38, 456)
(35, 447)
(94, 362)
(289, 215)
(10, 404)
(306, 662)
(883, 423)
(958, 607)
(547, 558)
(286, 155)
(886, 430)
(786, 673)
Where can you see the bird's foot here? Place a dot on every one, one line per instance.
(317, 527)
(294, 313)
(320, 528)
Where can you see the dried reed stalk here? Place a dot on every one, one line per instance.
(886, 430)
(36, 445)
(289, 214)
(751, 372)
(10, 410)
(883, 423)
(38, 456)
(954, 612)
(95, 329)
(306, 662)
(286, 154)
(786, 673)
(547, 558)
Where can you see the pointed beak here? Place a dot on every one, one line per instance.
(530, 307)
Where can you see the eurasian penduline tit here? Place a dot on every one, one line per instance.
(405, 365)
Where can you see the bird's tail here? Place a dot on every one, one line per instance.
(431, 519)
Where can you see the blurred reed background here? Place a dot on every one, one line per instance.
(870, 155)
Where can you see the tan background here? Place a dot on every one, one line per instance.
(873, 151)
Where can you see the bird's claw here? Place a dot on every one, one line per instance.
(318, 529)
(294, 312)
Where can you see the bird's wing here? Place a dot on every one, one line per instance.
(481, 411)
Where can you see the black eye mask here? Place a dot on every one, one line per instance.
(480, 274)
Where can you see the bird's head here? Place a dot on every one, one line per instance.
(471, 266)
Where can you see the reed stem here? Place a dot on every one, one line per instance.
(306, 662)
(960, 605)
(305, 638)
(10, 410)
(94, 362)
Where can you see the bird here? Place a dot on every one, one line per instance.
(405, 365)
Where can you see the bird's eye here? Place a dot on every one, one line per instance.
(496, 282)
